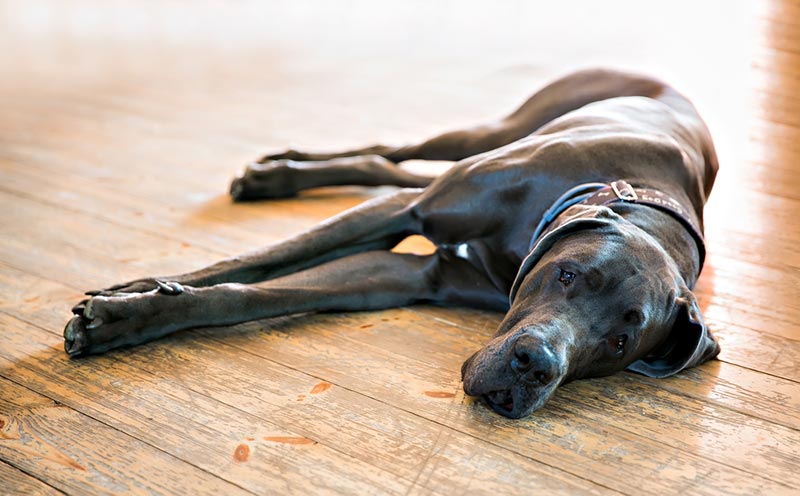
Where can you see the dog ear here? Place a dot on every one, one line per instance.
(688, 344)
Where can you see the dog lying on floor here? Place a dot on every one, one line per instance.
(579, 215)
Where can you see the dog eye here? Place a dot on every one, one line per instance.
(566, 278)
(633, 317)
(617, 343)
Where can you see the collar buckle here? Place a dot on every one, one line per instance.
(624, 191)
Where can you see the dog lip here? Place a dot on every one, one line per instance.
(501, 401)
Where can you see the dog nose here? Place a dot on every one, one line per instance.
(534, 359)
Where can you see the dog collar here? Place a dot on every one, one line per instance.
(621, 191)
(603, 194)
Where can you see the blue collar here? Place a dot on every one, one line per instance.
(571, 197)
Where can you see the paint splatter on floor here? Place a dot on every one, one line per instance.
(241, 453)
(321, 387)
(289, 440)
(439, 394)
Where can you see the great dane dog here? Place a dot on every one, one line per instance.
(579, 215)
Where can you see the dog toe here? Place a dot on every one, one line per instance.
(264, 181)
(76, 341)
(80, 307)
(237, 189)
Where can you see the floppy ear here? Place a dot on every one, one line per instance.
(689, 343)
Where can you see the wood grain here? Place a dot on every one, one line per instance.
(259, 405)
(17, 483)
(120, 128)
(76, 454)
(262, 389)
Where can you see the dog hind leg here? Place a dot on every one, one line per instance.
(284, 174)
(550, 102)
(285, 178)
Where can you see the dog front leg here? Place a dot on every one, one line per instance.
(366, 281)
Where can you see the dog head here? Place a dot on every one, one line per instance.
(596, 295)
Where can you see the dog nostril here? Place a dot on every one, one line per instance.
(534, 361)
(521, 361)
(542, 376)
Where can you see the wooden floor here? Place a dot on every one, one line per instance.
(121, 124)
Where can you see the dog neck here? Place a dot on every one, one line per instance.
(678, 228)
(621, 192)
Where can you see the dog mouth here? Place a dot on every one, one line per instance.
(517, 401)
(501, 401)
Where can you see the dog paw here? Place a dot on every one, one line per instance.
(267, 180)
(102, 323)
(85, 332)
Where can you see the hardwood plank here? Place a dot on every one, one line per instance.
(14, 482)
(772, 397)
(777, 145)
(733, 280)
(33, 303)
(748, 283)
(28, 296)
(120, 129)
(270, 423)
(114, 205)
(232, 238)
(754, 350)
(722, 307)
(764, 177)
(204, 433)
(771, 66)
(417, 380)
(455, 346)
(76, 454)
(629, 403)
(781, 34)
(186, 361)
(705, 475)
(383, 359)
(779, 11)
(242, 221)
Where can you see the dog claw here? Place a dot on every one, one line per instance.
(92, 293)
(237, 188)
(94, 324)
(88, 310)
(74, 338)
(169, 288)
(79, 308)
